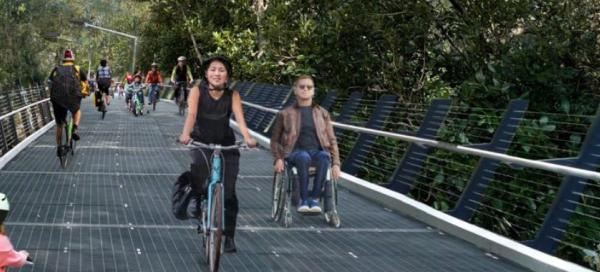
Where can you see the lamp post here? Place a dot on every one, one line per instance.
(135, 38)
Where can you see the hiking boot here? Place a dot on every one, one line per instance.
(75, 136)
(229, 245)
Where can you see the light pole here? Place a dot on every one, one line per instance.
(135, 38)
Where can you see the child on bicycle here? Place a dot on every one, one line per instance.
(135, 92)
(303, 135)
(211, 104)
(8, 256)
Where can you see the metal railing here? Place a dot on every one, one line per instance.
(23, 112)
(513, 183)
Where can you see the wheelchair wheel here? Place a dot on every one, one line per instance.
(287, 205)
(278, 195)
(331, 214)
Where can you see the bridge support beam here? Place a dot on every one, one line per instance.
(569, 194)
(407, 171)
(486, 168)
(365, 141)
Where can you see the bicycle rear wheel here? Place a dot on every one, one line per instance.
(63, 158)
(216, 228)
(278, 195)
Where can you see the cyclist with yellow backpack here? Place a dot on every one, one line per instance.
(68, 85)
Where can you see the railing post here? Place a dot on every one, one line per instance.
(250, 97)
(348, 109)
(5, 144)
(414, 157)
(365, 141)
(278, 95)
(486, 168)
(328, 100)
(11, 119)
(282, 104)
(568, 196)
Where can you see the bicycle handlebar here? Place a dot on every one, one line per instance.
(196, 145)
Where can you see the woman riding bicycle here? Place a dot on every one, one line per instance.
(211, 103)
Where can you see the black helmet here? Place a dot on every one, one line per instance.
(220, 59)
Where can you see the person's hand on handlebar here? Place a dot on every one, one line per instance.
(185, 139)
(251, 142)
(278, 167)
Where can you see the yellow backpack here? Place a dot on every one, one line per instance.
(85, 88)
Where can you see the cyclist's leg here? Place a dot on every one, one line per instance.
(232, 166)
(301, 160)
(200, 170)
(60, 116)
(128, 98)
(76, 118)
(73, 106)
(321, 160)
(151, 93)
(107, 95)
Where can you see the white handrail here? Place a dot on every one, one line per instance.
(551, 167)
(24, 107)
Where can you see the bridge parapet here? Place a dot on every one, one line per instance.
(506, 170)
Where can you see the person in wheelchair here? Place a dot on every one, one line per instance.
(303, 135)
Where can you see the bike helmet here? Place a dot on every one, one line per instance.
(154, 64)
(220, 59)
(129, 78)
(181, 58)
(68, 55)
(137, 76)
(4, 207)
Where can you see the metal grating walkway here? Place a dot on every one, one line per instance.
(110, 211)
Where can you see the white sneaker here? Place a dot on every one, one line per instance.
(303, 207)
(314, 206)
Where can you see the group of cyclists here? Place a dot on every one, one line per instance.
(302, 135)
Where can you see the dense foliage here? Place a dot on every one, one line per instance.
(35, 32)
(480, 53)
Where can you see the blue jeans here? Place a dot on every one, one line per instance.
(153, 88)
(302, 160)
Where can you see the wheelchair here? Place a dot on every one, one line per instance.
(285, 196)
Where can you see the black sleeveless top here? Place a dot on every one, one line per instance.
(212, 119)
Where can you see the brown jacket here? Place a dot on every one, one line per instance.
(287, 128)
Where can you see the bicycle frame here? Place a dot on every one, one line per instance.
(182, 87)
(68, 127)
(215, 177)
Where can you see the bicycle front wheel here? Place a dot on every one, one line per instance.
(216, 228)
